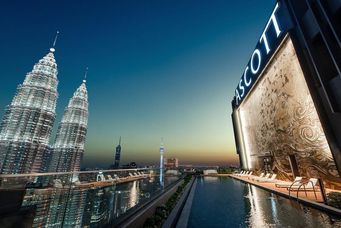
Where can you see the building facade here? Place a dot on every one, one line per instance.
(27, 123)
(68, 148)
(286, 108)
(171, 163)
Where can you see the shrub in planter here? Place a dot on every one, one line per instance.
(334, 199)
(149, 223)
(158, 220)
(161, 211)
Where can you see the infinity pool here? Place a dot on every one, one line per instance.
(225, 202)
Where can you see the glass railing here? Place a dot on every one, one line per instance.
(76, 199)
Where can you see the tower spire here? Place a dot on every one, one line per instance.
(119, 143)
(85, 74)
(54, 42)
(161, 162)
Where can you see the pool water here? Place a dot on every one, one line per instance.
(225, 202)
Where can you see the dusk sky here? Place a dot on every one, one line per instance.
(156, 69)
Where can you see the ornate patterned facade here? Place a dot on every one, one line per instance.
(279, 119)
(68, 148)
(27, 123)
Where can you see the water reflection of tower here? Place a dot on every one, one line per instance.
(99, 209)
(126, 197)
(75, 207)
(118, 155)
(134, 194)
(161, 162)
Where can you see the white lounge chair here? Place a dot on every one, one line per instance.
(305, 186)
(252, 177)
(246, 174)
(109, 178)
(241, 173)
(283, 184)
(271, 179)
(116, 177)
(266, 177)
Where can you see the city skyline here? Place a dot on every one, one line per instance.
(143, 113)
(139, 86)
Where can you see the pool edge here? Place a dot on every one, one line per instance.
(186, 211)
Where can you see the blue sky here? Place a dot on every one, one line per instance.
(156, 69)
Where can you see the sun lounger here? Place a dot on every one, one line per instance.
(109, 178)
(247, 174)
(241, 173)
(267, 176)
(116, 178)
(255, 177)
(271, 179)
(297, 182)
(244, 174)
(309, 185)
(305, 186)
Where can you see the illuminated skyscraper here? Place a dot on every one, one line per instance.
(161, 162)
(118, 155)
(68, 148)
(27, 123)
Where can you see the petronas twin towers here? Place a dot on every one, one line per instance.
(68, 148)
(28, 121)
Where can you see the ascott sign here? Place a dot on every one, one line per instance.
(273, 33)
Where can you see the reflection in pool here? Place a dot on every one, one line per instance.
(225, 202)
(104, 205)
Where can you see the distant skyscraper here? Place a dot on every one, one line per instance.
(161, 162)
(27, 123)
(118, 155)
(68, 148)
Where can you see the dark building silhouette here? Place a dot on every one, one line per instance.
(118, 155)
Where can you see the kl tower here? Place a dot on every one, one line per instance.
(161, 162)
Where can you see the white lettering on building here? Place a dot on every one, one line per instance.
(256, 58)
